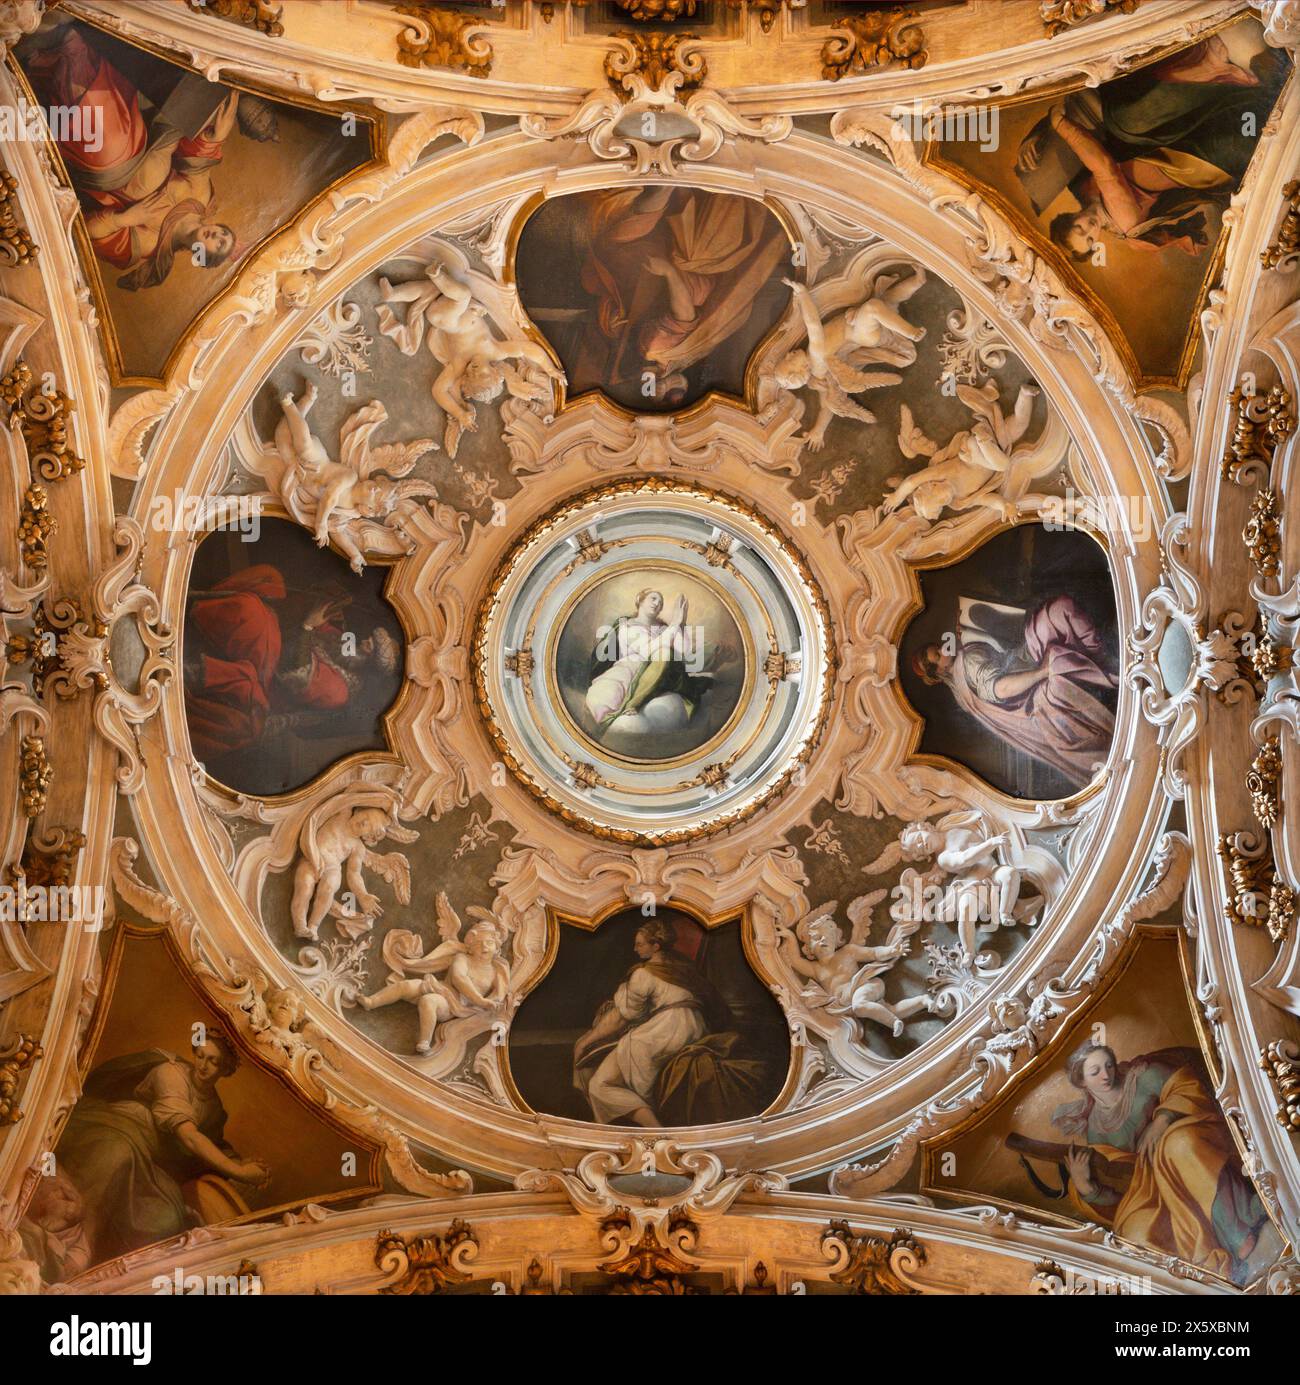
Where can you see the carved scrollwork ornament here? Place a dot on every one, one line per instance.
(35, 776)
(1262, 423)
(1262, 533)
(1284, 253)
(16, 246)
(1262, 783)
(867, 1264)
(1281, 1061)
(261, 15)
(12, 1064)
(43, 416)
(1059, 16)
(430, 1264)
(1257, 893)
(440, 37)
(878, 39)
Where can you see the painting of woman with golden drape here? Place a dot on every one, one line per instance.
(1149, 1155)
(654, 295)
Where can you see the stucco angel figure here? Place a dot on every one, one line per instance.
(982, 891)
(845, 977)
(445, 315)
(454, 979)
(980, 467)
(337, 840)
(873, 330)
(329, 496)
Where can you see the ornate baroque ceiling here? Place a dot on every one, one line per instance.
(649, 646)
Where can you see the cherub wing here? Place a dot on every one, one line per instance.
(354, 436)
(859, 915)
(837, 401)
(891, 855)
(855, 381)
(396, 458)
(912, 442)
(396, 869)
(446, 918)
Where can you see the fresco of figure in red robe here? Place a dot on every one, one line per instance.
(177, 177)
(290, 659)
(654, 295)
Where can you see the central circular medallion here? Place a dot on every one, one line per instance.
(653, 661)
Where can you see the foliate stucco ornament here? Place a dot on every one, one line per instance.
(1281, 1061)
(868, 1264)
(262, 15)
(42, 414)
(428, 1264)
(1061, 15)
(85, 658)
(880, 38)
(16, 246)
(439, 37)
(1175, 663)
(1284, 253)
(17, 18)
(649, 124)
(1257, 892)
(1262, 423)
(652, 1182)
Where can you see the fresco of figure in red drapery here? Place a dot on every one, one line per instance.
(249, 677)
(145, 187)
(674, 273)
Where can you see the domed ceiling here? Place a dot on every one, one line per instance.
(644, 638)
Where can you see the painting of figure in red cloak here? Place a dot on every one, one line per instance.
(654, 295)
(1015, 662)
(291, 659)
(178, 177)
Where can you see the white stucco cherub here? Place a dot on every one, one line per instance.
(455, 978)
(983, 891)
(980, 467)
(444, 314)
(363, 485)
(846, 976)
(337, 841)
(872, 331)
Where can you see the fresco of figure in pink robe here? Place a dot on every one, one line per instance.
(654, 295)
(178, 177)
(1014, 662)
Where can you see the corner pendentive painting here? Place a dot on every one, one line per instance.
(655, 296)
(650, 1021)
(1128, 181)
(178, 177)
(1122, 1129)
(291, 659)
(1014, 662)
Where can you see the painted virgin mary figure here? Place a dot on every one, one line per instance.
(1149, 155)
(145, 175)
(1031, 679)
(147, 1125)
(1151, 1157)
(641, 670)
